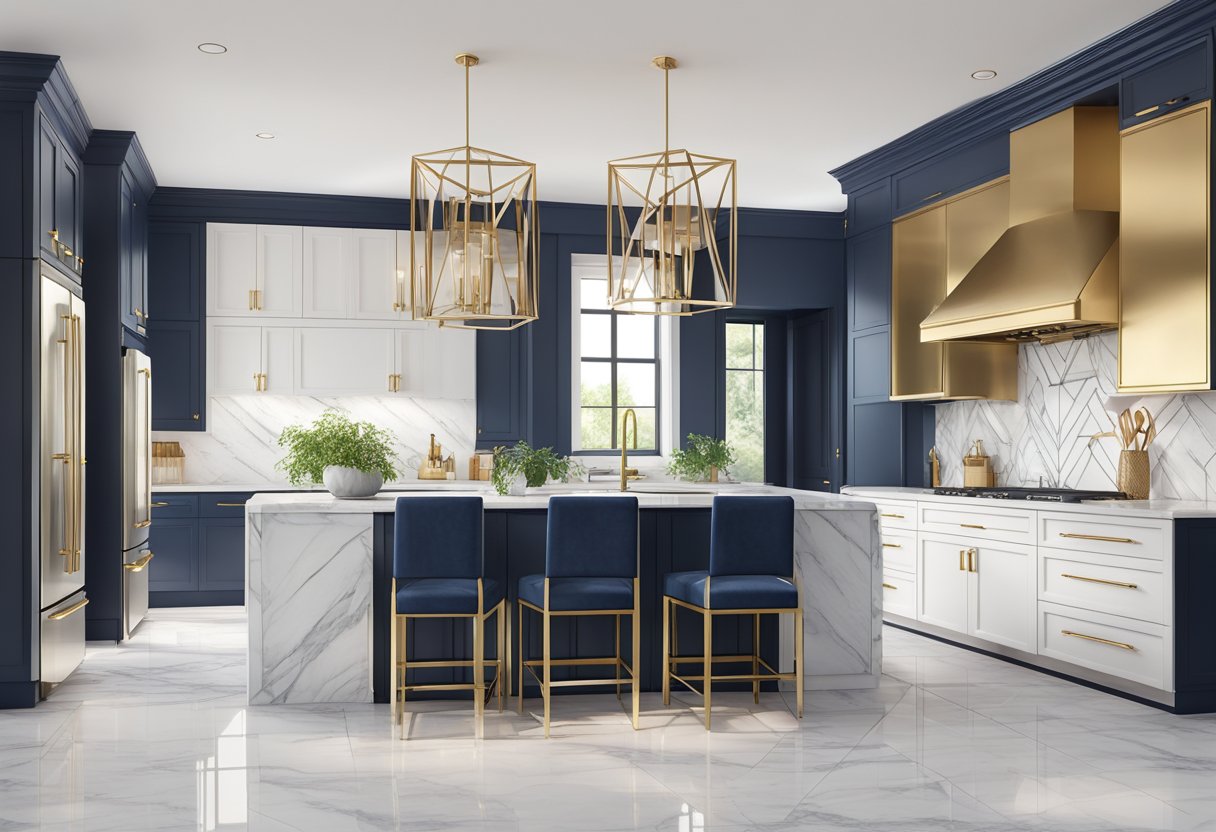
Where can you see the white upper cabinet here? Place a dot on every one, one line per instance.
(243, 358)
(232, 257)
(344, 361)
(328, 253)
(279, 270)
(375, 276)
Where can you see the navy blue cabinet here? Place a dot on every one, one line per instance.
(177, 396)
(500, 393)
(60, 194)
(221, 546)
(175, 269)
(198, 543)
(1177, 79)
(951, 173)
(174, 546)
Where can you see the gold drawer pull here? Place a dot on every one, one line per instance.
(138, 566)
(1099, 581)
(1097, 537)
(892, 546)
(886, 585)
(159, 505)
(930, 196)
(962, 554)
(62, 614)
(970, 526)
(1148, 110)
(142, 524)
(1122, 645)
(230, 505)
(895, 516)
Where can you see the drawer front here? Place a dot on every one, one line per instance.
(223, 504)
(1133, 588)
(174, 505)
(899, 594)
(899, 551)
(1130, 537)
(897, 516)
(1128, 649)
(979, 522)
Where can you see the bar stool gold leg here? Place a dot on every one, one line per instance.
(545, 692)
(708, 661)
(500, 657)
(521, 659)
(798, 655)
(404, 677)
(666, 651)
(618, 657)
(756, 658)
(636, 668)
(479, 670)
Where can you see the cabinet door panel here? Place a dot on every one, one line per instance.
(327, 257)
(68, 200)
(343, 362)
(1004, 595)
(278, 360)
(177, 396)
(942, 584)
(48, 152)
(279, 270)
(374, 275)
(221, 544)
(175, 263)
(411, 349)
(235, 358)
(232, 257)
(126, 297)
(499, 382)
(174, 546)
(457, 360)
(139, 260)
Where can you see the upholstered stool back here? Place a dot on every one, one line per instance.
(592, 537)
(752, 536)
(438, 537)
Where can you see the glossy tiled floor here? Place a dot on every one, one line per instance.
(155, 735)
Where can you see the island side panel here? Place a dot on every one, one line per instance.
(310, 600)
(839, 561)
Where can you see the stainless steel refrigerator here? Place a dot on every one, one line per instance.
(62, 474)
(136, 485)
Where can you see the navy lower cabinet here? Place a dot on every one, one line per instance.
(198, 547)
(671, 540)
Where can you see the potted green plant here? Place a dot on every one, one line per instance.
(352, 459)
(701, 458)
(522, 465)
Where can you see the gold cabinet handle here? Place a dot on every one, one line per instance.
(62, 614)
(194, 416)
(229, 505)
(257, 300)
(1097, 537)
(972, 560)
(1122, 645)
(138, 566)
(250, 300)
(930, 196)
(886, 585)
(970, 526)
(1122, 584)
(892, 546)
(894, 516)
(142, 524)
(139, 313)
(1148, 110)
(962, 554)
(159, 504)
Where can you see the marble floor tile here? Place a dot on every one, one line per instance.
(156, 734)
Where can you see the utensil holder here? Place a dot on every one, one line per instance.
(1133, 479)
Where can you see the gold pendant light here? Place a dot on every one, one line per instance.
(474, 236)
(672, 228)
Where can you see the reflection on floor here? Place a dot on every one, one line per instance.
(155, 735)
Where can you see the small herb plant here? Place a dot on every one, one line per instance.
(699, 457)
(536, 465)
(333, 439)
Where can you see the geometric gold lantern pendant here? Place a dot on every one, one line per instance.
(672, 228)
(474, 235)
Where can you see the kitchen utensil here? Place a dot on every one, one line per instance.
(1139, 424)
(1133, 477)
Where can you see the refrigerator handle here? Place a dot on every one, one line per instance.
(147, 374)
(69, 491)
(78, 462)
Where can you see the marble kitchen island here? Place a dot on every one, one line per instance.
(318, 577)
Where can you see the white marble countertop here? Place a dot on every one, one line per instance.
(656, 495)
(1161, 509)
(230, 487)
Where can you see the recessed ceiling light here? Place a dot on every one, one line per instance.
(264, 135)
(212, 48)
(984, 74)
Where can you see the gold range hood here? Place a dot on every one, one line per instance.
(1054, 274)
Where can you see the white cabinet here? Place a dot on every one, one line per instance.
(984, 589)
(327, 256)
(437, 362)
(250, 359)
(376, 279)
(253, 270)
(344, 361)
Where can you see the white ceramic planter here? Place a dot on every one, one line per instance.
(351, 483)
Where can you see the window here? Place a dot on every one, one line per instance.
(616, 365)
(745, 399)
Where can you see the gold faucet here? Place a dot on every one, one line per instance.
(625, 444)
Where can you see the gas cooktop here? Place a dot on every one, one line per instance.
(1046, 495)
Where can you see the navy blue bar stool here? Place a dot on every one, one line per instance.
(438, 572)
(751, 572)
(591, 568)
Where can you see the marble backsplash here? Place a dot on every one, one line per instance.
(1066, 394)
(240, 445)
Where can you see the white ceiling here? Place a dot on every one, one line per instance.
(353, 88)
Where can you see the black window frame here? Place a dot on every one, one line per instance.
(762, 371)
(613, 360)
